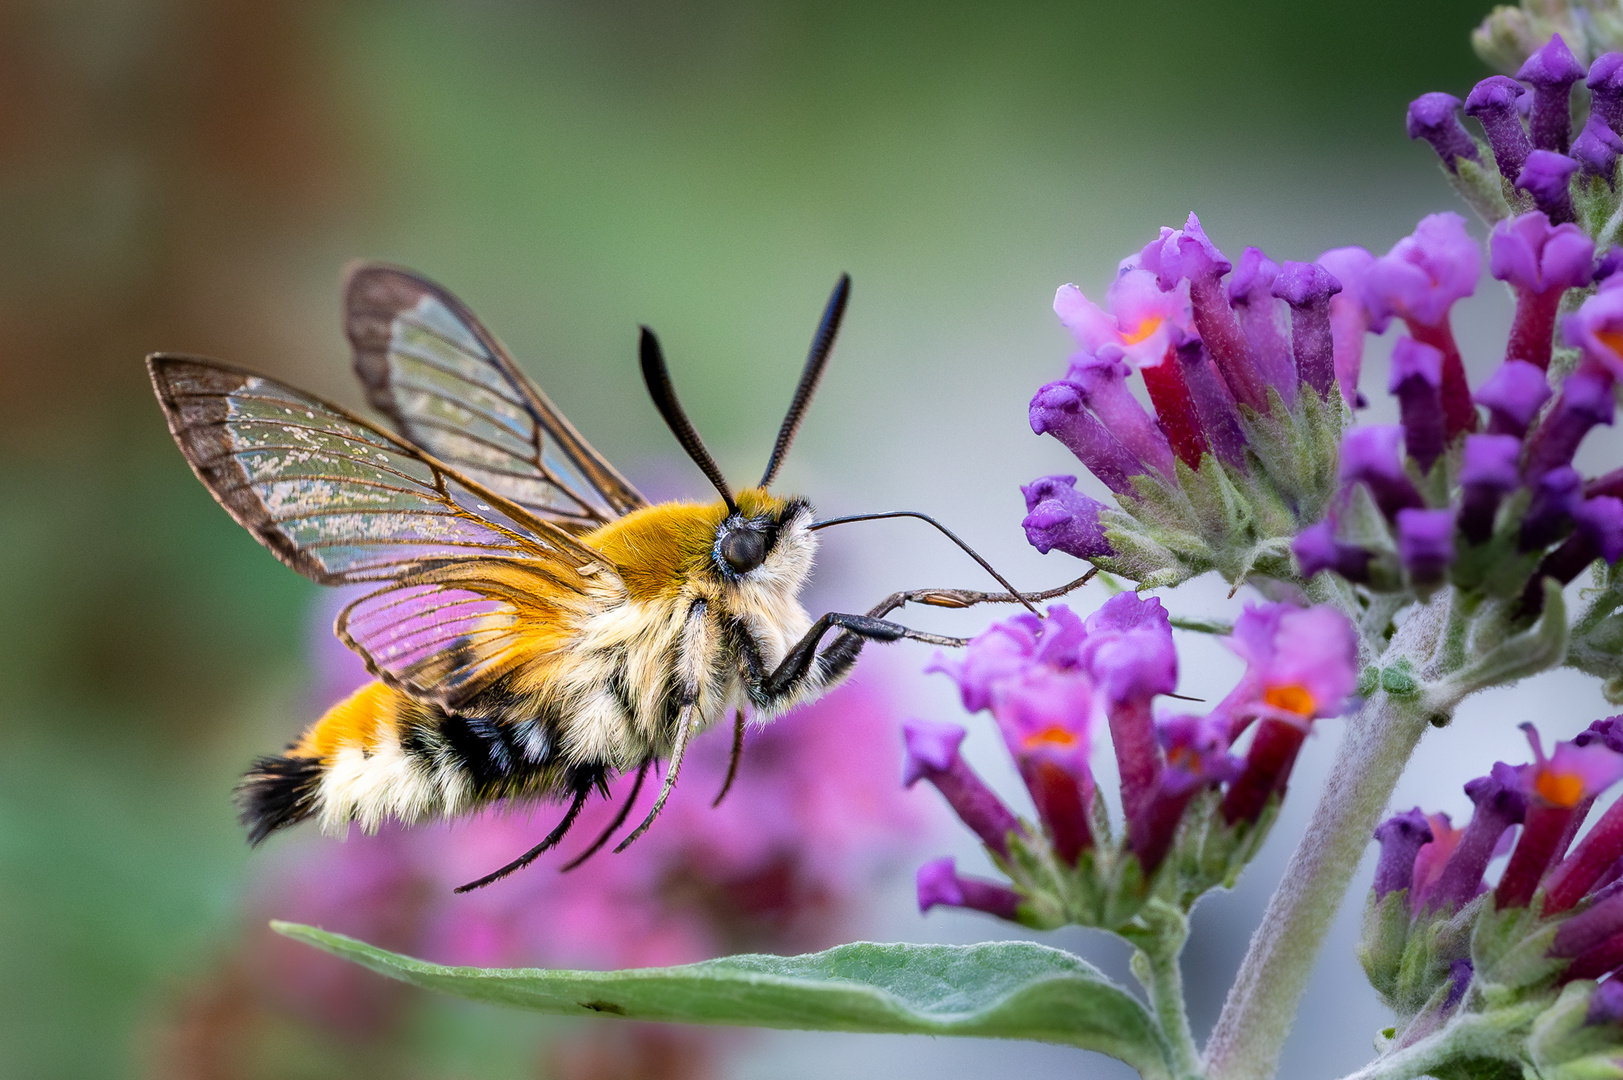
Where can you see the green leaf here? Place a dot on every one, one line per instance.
(1006, 989)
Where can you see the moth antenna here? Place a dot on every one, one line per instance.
(534, 853)
(948, 533)
(732, 762)
(683, 733)
(614, 826)
(658, 378)
(822, 344)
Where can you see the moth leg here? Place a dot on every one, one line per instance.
(614, 826)
(842, 652)
(803, 661)
(686, 721)
(732, 762)
(534, 853)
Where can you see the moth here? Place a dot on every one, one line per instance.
(538, 626)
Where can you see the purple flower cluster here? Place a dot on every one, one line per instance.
(1220, 359)
(1474, 489)
(1555, 917)
(1541, 160)
(1050, 682)
(1506, 503)
(1214, 355)
(1442, 868)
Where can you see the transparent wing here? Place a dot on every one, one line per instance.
(451, 388)
(479, 584)
(446, 632)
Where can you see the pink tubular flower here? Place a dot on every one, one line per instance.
(1419, 280)
(1527, 252)
(1426, 272)
(1004, 650)
(1301, 665)
(1560, 789)
(1141, 320)
(1028, 672)
(1186, 255)
(1129, 651)
(1046, 716)
(1541, 263)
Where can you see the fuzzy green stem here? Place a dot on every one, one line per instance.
(1156, 966)
(1257, 1015)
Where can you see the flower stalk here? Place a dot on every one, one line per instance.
(1261, 1005)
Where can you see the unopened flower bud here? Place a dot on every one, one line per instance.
(1551, 71)
(1493, 103)
(932, 754)
(1434, 117)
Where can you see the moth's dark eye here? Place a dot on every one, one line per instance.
(743, 550)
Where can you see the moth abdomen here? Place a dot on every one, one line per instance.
(381, 754)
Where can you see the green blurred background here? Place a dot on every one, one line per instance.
(192, 175)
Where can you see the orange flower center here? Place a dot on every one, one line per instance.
(1292, 697)
(1053, 735)
(1559, 789)
(1612, 339)
(1144, 330)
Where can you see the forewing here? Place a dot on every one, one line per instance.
(452, 389)
(343, 502)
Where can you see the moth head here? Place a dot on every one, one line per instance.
(765, 540)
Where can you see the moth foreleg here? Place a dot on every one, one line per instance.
(803, 661)
(842, 652)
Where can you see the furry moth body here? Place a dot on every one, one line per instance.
(665, 631)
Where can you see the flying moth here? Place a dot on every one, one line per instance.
(537, 626)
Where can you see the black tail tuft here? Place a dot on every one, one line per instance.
(277, 792)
